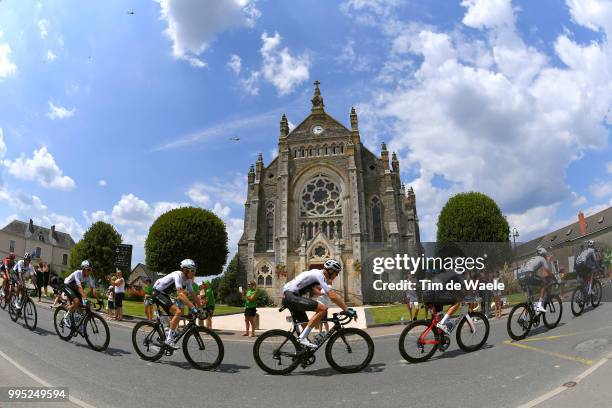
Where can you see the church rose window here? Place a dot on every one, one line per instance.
(321, 197)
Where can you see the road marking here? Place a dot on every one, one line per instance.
(558, 336)
(560, 389)
(550, 353)
(42, 382)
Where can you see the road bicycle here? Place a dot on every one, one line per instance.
(586, 292)
(27, 309)
(524, 316)
(202, 347)
(422, 338)
(278, 351)
(83, 322)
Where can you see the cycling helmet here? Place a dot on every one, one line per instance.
(332, 265)
(590, 244)
(188, 264)
(86, 264)
(11, 256)
(27, 256)
(542, 251)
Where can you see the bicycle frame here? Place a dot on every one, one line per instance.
(435, 321)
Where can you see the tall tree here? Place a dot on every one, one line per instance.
(187, 232)
(98, 245)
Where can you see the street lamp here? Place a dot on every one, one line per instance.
(514, 235)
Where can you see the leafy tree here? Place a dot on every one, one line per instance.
(187, 232)
(98, 245)
(228, 284)
(475, 218)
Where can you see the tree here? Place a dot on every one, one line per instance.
(187, 232)
(475, 218)
(98, 245)
(228, 284)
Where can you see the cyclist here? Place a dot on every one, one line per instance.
(180, 281)
(314, 283)
(73, 288)
(5, 271)
(538, 268)
(18, 276)
(586, 262)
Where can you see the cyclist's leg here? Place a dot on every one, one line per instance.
(451, 310)
(298, 304)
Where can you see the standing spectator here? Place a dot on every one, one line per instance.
(46, 274)
(119, 284)
(110, 297)
(207, 297)
(148, 300)
(39, 280)
(412, 303)
(250, 308)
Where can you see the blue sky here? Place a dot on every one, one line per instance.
(107, 115)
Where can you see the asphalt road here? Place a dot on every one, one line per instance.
(502, 374)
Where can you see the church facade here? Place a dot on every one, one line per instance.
(324, 196)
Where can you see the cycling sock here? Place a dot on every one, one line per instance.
(444, 319)
(305, 333)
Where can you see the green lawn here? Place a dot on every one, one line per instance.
(136, 308)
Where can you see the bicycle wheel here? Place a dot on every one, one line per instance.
(472, 338)
(13, 311)
(276, 352)
(349, 350)
(2, 299)
(415, 348)
(30, 316)
(597, 293)
(147, 339)
(554, 311)
(97, 334)
(64, 332)
(519, 322)
(203, 348)
(578, 301)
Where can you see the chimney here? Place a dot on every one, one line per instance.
(581, 223)
(31, 226)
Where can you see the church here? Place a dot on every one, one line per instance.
(324, 196)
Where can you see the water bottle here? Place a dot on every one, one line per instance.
(319, 337)
(450, 325)
(77, 318)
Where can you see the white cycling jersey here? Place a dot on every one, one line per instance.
(21, 269)
(172, 282)
(78, 278)
(305, 281)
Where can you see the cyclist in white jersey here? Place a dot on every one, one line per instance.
(538, 267)
(312, 282)
(73, 288)
(180, 281)
(20, 270)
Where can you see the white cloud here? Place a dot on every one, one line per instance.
(43, 28)
(279, 67)
(578, 200)
(7, 67)
(235, 64)
(250, 84)
(40, 168)
(484, 113)
(231, 192)
(593, 14)
(193, 24)
(2, 144)
(102, 183)
(349, 59)
(21, 201)
(533, 221)
(609, 167)
(51, 56)
(59, 112)
(131, 210)
(65, 224)
(197, 194)
(601, 189)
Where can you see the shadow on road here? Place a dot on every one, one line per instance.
(110, 350)
(43, 332)
(328, 372)
(223, 368)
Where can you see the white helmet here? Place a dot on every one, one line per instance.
(86, 264)
(188, 264)
(332, 265)
(542, 251)
(590, 244)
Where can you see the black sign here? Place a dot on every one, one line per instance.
(123, 258)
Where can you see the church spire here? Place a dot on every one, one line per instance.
(284, 126)
(354, 123)
(317, 100)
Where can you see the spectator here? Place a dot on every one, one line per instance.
(148, 300)
(110, 296)
(207, 297)
(250, 307)
(46, 274)
(119, 284)
(412, 303)
(39, 280)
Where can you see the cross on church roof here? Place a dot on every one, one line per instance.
(317, 99)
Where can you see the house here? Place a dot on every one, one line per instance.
(140, 273)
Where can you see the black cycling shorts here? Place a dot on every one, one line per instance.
(71, 291)
(162, 300)
(583, 271)
(298, 306)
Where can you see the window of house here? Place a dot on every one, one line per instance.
(270, 226)
(264, 276)
(41, 237)
(65, 259)
(12, 246)
(38, 252)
